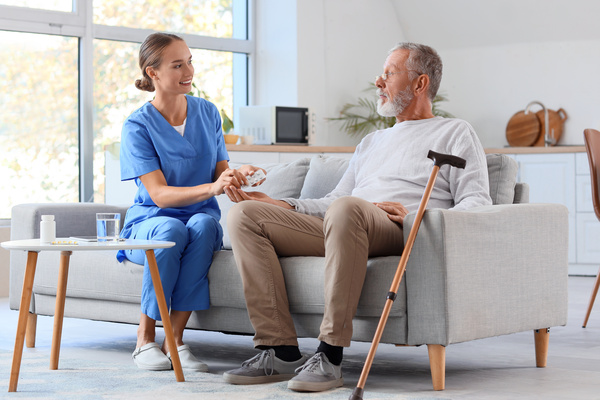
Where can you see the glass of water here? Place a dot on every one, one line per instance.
(107, 226)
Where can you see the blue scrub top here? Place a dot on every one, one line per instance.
(149, 142)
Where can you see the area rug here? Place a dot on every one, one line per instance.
(83, 379)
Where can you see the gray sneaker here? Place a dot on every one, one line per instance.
(316, 375)
(263, 368)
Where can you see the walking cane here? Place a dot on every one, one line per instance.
(438, 161)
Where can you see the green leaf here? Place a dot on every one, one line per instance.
(227, 122)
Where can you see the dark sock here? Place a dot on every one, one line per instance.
(333, 353)
(285, 353)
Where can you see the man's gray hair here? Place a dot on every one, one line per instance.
(424, 60)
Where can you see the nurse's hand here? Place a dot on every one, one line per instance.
(229, 177)
(246, 170)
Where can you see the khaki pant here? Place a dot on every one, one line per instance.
(352, 230)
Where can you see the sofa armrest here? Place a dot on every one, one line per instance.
(485, 272)
(72, 219)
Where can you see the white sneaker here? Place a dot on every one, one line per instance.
(263, 368)
(188, 360)
(316, 375)
(151, 357)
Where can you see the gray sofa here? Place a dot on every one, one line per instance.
(490, 271)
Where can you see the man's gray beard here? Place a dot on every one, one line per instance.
(393, 107)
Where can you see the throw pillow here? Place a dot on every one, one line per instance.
(502, 172)
(323, 176)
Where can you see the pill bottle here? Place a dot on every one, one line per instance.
(47, 229)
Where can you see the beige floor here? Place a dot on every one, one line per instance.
(496, 368)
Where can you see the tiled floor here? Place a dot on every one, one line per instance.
(496, 368)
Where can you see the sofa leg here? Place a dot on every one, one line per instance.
(437, 364)
(542, 337)
(31, 327)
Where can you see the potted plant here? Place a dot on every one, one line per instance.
(228, 134)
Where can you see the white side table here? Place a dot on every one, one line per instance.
(33, 247)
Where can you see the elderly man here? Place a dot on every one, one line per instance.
(361, 217)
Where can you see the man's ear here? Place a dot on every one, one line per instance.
(421, 84)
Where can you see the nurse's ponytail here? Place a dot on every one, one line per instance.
(151, 56)
(144, 84)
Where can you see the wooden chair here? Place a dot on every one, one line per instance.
(592, 146)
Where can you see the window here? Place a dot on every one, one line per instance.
(65, 94)
(54, 5)
(208, 18)
(38, 122)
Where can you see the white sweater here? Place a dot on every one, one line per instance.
(392, 165)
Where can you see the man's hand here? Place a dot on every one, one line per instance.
(396, 211)
(237, 195)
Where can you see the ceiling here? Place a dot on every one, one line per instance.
(450, 24)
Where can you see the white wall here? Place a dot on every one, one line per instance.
(275, 65)
(487, 85)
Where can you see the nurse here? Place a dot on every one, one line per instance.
(173, 147)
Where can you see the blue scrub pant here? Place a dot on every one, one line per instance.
(184, 267)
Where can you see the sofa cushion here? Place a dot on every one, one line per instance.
(304, 281)
(283, 180)
(309, 298)
(502, 172)
(323, 176)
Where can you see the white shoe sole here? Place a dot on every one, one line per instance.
(255, 380)
(153, 367)
(195, 369)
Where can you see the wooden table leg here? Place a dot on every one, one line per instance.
(164, 315)
(59, 307)
(23, 316)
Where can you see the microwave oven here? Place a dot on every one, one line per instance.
(276, 125)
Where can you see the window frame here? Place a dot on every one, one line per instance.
(79, 23)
